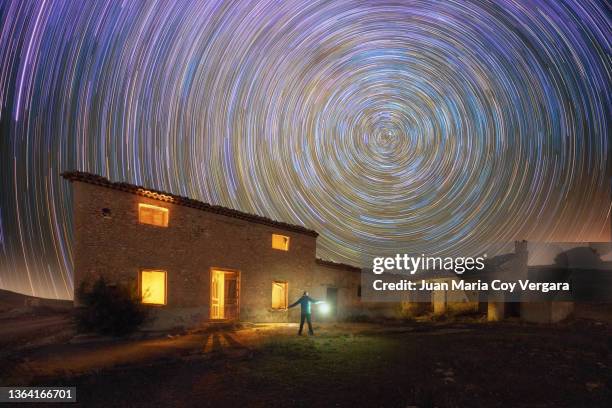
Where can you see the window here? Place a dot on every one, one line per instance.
(280, 242)
(153, 287)
(151, 214)
(279, 295)
(359, 291)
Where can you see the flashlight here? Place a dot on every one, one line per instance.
(324, 307)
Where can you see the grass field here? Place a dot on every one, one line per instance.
(425, 364)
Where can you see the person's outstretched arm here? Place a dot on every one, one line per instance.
(315, 301)
(297, 302)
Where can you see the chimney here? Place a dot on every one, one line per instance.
(521, 261)
(520, 247)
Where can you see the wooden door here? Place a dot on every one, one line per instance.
(217, 295)
(231, 295)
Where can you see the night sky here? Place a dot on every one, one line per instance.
(428, 127)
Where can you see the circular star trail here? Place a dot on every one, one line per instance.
(414, 126)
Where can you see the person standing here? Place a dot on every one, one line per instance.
(305, 303)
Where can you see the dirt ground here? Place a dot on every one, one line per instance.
(431, 363)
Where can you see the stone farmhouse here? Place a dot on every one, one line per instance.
(194, 262)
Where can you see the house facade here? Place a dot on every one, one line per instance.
(193, 262)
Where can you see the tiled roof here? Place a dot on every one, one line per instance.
(184, 201)
(337, 265)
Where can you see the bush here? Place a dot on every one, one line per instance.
(108, 309)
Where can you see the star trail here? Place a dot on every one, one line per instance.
(420, 126)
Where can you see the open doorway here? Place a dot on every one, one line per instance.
(332, 301)
(224, 294)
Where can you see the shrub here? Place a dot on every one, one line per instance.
(108, 309)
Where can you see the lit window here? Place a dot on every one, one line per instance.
(153, 287)
(280, 242)
(279, 295)
(151, 214)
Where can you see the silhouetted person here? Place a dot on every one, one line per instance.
(305, 301)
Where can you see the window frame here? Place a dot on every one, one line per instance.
(288, 242)
(285, 285)
(142, 302)
(164, 210)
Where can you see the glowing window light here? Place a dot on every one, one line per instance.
(279, 295)
(153, 287)
(280, 242)
(153, 215)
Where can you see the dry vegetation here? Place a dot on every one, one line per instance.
(448, 362)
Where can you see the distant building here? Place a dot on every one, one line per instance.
(585, 267)
(193, 262)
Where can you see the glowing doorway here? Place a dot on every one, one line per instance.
(224, 294)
